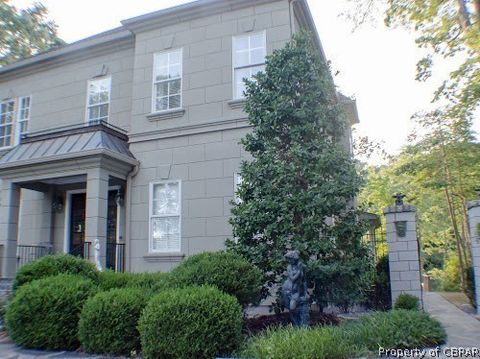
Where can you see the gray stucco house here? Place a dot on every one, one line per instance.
(130, 138)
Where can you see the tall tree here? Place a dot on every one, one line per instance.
(24, 33)
(298, 188)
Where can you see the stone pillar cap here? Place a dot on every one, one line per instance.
(472, 204)
(400, 209)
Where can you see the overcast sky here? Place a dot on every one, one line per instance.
(376, 65)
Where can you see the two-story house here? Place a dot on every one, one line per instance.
(128, 141)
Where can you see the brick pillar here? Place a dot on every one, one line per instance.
(96, 212)
(9, 212)
(403, 251)
(474, 222)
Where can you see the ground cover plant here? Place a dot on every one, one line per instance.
(395, 329)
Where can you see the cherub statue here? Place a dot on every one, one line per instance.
(294, 290)
(98, 263)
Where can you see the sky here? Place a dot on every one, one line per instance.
(375, 65)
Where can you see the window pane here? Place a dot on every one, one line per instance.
(161, 104)
(161, 60)
(175, 71)
(257, 40)
(161, 74)
(257, 56)
(103, 110)
(162, 89)
(174, 101)
(175, 57)
(241, 43)
(241, 59)
(23, 127)
(166, 234)
(174, 87)
(166, 198)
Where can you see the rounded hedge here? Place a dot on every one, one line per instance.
(44, 313)
(52, 265)
(156, 281)
(227, 271)
(108, 322)
(194, 322)
(407, 302)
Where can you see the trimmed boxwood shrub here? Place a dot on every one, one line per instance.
(397, 329)
(152, 281)
(52, 265)
(227, 271)
(194, 322)
(407, 302)
(44, 313)
(108, 322)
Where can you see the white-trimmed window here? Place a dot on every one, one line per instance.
(98, 100)
(165, 216)
(249, 52)
(167, 80)
(237, 181)
(24, 104)
(7, 115)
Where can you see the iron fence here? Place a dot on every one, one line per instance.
(27, 253)
(116, 256)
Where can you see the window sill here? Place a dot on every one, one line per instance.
(165, 115)
(164, 257)
(238, 103)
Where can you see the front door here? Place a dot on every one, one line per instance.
(77, 224)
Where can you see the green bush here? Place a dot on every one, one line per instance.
(287, 343)
(44, 313)
(407, 302)
(380, 297)
(225, 270)
(400, 329)
(151, 281)
(194, 322)
(108, 322)
(52, 265)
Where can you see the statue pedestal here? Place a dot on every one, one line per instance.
(300, 317)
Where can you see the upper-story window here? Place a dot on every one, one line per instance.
(24, 104)
(7, 114)
(98, 101)
(167, 81)
(249, 52)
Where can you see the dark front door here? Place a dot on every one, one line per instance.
(112, 231)
(77, 224)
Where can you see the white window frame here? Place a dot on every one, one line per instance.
(234, 68)
(237, 181)
(151, 216)
(12, 123)
(109, 78)
(154, 82)
(18, 124)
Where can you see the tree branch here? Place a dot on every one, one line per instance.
(463, 15)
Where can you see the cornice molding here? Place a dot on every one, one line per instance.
(187, 12)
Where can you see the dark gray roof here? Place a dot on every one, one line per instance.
(69, 143)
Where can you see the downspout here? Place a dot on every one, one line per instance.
(292, 16)
(128, 215)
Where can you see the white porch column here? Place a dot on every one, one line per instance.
(9, 212)
(96, 212)
(403, 251)
(474, 222)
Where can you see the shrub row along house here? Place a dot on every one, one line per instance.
(130, 139)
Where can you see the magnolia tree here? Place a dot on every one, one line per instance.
(298, 188)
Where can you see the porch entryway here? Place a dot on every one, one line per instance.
(81, 174)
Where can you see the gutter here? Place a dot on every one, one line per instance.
(128, 216)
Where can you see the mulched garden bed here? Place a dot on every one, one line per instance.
(256, 325)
